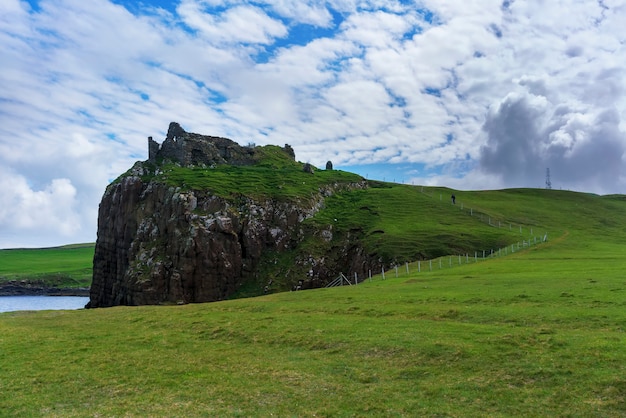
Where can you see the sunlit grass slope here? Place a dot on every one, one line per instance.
(66, 266)
(435, 345)
(403, 223)
(540, 332)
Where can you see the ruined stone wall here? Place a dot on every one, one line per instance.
(194, 149)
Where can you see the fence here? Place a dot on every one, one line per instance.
(478, 214)
(450, 261)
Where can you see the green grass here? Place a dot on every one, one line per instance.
(255, 182)
(66, 266)
(540, 332)
(275, 176)
(401, 223)
(455, 343)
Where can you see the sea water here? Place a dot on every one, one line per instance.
(40, 303)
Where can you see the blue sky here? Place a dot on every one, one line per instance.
(469, 94)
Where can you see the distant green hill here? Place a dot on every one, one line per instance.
(402, 222)
(66, 266)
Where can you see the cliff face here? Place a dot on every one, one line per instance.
(158, 244)
(163, 243)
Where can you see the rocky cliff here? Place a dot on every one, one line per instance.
(162, 240)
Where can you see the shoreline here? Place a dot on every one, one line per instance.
(19, 288)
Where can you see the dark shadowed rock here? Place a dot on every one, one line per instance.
(193, 149)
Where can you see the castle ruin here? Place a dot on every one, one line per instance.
(194, 149)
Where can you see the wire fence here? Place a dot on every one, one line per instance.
(479, 214)
(439, 263)
(450, 261)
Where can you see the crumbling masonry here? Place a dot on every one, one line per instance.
(194, 149)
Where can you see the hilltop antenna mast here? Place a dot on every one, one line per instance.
(548, 182)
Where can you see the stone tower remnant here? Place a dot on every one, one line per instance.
(194, 149)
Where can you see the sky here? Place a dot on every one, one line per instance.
(468, 94)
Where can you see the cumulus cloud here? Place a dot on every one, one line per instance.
(565, 111)
(241, 23)
(583, 146)
(468, 94)
(37, 213)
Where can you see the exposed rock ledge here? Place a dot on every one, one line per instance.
(27, 288)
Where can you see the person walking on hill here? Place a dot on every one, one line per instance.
(453, 199)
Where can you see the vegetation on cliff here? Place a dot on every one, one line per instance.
(273, 176)
(358, 226)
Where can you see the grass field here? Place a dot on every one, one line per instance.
(539, 332)
(66, 266)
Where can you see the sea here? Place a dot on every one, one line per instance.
(41, 303)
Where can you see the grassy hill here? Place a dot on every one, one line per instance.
(538, 332)
(395, 223)
(67, 266)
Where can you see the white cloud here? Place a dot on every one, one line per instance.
(478, 93)
(527, 134)
(37, 214)
(312, 64)
(302, 12)
(240, 24)
(379, 29)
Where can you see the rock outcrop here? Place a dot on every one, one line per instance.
(39, 288)
(191, 149)
(161, 243)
